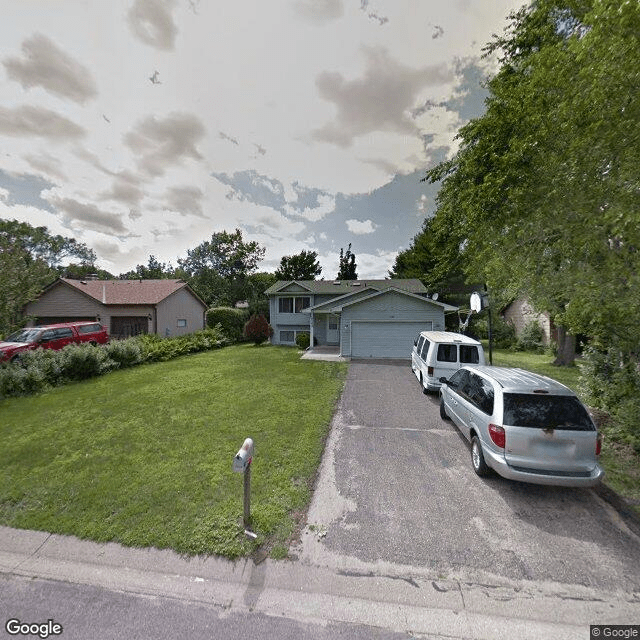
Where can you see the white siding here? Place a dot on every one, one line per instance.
(385, 326)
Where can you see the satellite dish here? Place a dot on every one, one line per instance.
(475, 302)
(434, 296)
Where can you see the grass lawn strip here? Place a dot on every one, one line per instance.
(143, 456)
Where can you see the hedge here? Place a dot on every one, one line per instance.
(41, 369)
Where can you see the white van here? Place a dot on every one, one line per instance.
(440, 353)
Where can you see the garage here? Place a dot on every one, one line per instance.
(372, 339)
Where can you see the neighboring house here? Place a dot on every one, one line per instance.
(125, 307)
(520, 313)
(363, 318)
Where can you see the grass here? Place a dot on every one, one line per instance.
(619, 459)
(143, 456)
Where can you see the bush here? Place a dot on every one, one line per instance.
(303, 340)
(230, 320)
(531, 338)
(610, 380)
(503, 332)
(257, 330)
(40, 369)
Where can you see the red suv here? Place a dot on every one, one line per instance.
(52, 336)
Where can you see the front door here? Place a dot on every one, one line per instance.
(333, 329)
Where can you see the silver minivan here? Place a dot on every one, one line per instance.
(523, 426)
(438, 354)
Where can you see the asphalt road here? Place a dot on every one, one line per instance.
(398, 488)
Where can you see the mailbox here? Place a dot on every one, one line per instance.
(243, 458)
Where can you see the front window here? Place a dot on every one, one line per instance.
(287, 336)
(182, 323)
(293, 304)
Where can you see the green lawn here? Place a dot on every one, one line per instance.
(143, 456)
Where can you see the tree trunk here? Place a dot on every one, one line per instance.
(566, 348)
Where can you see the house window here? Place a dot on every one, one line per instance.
(293, 305)
(288, 336)
(182, 323)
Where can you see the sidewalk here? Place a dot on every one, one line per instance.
(292, 589)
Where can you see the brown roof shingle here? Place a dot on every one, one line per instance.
(127, 291)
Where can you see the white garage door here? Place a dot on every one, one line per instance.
(385, 339)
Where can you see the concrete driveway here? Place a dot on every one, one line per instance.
(397, 494)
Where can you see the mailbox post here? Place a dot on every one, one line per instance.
(242, 464)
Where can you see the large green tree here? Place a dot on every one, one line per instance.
(217, 269)
(30, 258)
(302, 266)
(544, 190)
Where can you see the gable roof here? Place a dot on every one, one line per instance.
(340, 287)
(336, 306)
(128, 291)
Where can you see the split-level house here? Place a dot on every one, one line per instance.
(361, 318)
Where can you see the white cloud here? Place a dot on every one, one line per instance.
(379, 101)
(46, 65)
(360, 227)
(38, 122)
(152, 22)
(161, 143)
(319, 10)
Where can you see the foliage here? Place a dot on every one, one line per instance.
(255, 286)
(154, 270)
(543, 190)
(531, 338)
(217, 269)
(303, 340)
(41, 369)
(302, 266)
(28, 260)
(611, 381)
(503, 333)
(257, 330)
(230, 320)
(347, 265)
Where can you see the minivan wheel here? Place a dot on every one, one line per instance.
(477, 458)
(443, 411)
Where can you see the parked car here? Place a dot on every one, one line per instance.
(523, 426)
(438, 354)
(52, 336)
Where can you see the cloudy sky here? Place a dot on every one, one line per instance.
(141, 127)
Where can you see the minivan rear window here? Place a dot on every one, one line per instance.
(546, 411)
(447, 353)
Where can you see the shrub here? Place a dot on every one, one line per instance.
(126, 353)
(531, 338)
(610, 380)
(257, 330)
(503, 332)
(303, 340)
(230, 320)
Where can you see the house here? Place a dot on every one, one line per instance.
(361, 318)
(520, 313)
(125, 307)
